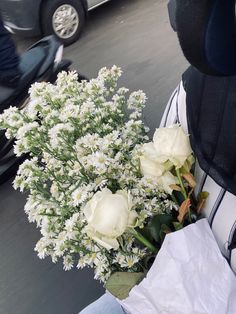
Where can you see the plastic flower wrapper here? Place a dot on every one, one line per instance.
(186, 278)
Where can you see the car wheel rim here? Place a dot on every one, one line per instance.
(65, 21)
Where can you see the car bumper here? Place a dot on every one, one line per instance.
(21, 16)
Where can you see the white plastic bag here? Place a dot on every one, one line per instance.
(189, 276)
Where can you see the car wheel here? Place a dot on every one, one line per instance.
(63, 18)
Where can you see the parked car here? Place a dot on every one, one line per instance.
(63, 18)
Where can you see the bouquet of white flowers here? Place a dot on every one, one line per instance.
(101, 194)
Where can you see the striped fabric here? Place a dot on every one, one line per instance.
(220, 208)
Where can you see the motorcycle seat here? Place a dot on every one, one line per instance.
(30, 63)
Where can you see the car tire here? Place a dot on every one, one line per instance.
(63, 18)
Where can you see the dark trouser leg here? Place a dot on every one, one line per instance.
(9, 59)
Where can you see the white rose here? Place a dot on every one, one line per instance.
(108, 216)
(172, 144)
(166, 180)
(149, 165)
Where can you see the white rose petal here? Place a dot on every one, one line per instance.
(149, 165)
(166, 180)
(108, 216)
(149, 150)
(172, 144)
(106, 242)
(150, 168)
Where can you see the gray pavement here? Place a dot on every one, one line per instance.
(134, 34)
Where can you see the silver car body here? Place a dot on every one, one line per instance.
(92, 4)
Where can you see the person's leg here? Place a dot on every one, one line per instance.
(107, 304)
(9, 59)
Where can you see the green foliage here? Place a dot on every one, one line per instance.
(158, 227)
(120, 283)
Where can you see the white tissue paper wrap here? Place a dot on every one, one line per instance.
(188, 276)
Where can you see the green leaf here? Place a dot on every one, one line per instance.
(177, 225)
(164, 230)
(146, 233)
(204, 194)
(120, 283)
(201, 198)
(155, 225)
(148, 261)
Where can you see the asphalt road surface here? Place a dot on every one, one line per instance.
(134, 34)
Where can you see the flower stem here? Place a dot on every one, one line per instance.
(183, 191)
(181, 184)
(143, 240)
